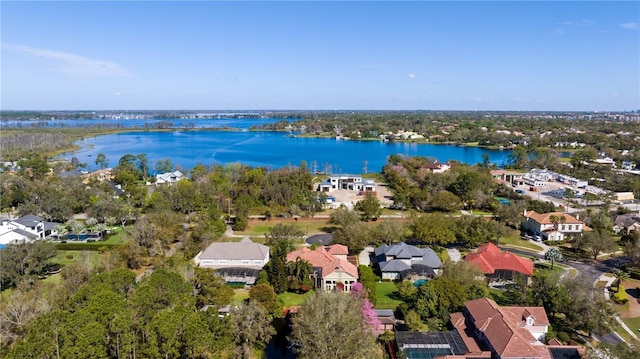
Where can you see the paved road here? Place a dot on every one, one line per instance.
(590, 272)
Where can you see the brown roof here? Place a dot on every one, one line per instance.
(545, 218)
(490, 258)
(323, 259)
(503, 328)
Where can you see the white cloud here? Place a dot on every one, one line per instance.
(629, 25)
(412, 76)
(72, 64)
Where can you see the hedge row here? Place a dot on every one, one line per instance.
(96, 246)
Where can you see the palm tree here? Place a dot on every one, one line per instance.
(110, 221)
(77, 227)
(621, 276)
(100, 228)
(61, 229)
(91, 222)
(553, 255)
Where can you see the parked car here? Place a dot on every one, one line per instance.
(537, 238)
(519, 191)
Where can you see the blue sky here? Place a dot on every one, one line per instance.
(427, 55)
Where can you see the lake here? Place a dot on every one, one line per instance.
(242, 123)
(267, 149)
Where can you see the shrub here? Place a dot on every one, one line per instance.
(621, 296)
(69, 256)
(563, 337)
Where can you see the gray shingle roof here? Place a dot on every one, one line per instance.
(405, 251)
(245, 249)
(393, 266)
(29, 220)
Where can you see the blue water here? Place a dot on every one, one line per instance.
(268, 149)
(243, 123)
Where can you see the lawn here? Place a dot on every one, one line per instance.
(633, 324)
(67, 257)
(239, 296)
(290, 299)
(547, 266)
(516, 241)
(384, 296)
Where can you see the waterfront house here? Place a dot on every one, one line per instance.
(331, 269)
(347, 182)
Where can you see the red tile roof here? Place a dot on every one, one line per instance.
(337, 249)
(489, 258)
(504, 329)
(323, 259)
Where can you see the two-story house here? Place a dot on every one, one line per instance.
(235, 261)
(25, 228)
(553, 226)
(401, 261)
(331, 269)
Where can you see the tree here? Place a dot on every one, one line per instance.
(342, 217)
(22, 261)
(369, 206)
(102, 161)
(355, 236)
(596, 241)
(211, 288)
(277, 267)
(330, 325)
(264, 295)
(553, 255)
(284, 231)
(251, 328)
(445, 201)
(368, 281)
(433, 228)
(388, 231)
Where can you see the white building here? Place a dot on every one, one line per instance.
(553, 226)
(169, 178)
(25, 228)
(347, 182)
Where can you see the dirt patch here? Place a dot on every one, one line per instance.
(632, 287)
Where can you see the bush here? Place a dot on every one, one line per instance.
(563, 337)
(621, 296)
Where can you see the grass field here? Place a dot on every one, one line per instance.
(633, 324)
(67, 257)
(516, 241)
(239, 296)
(384, 299)
(290, 299)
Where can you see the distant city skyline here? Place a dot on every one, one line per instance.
(305, 55)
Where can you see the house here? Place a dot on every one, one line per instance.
(235, 261)
(509, 177)
(498, 265)
(347, 182)
(508, 332)
(572, 181)
(25, 228)
(628, 165)
(553, 226)
(401, 261)
(387, 318)
(331, 269)
(437, 167)
(485, 330)
(627, 222)
(169, 178)
(623, 196)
